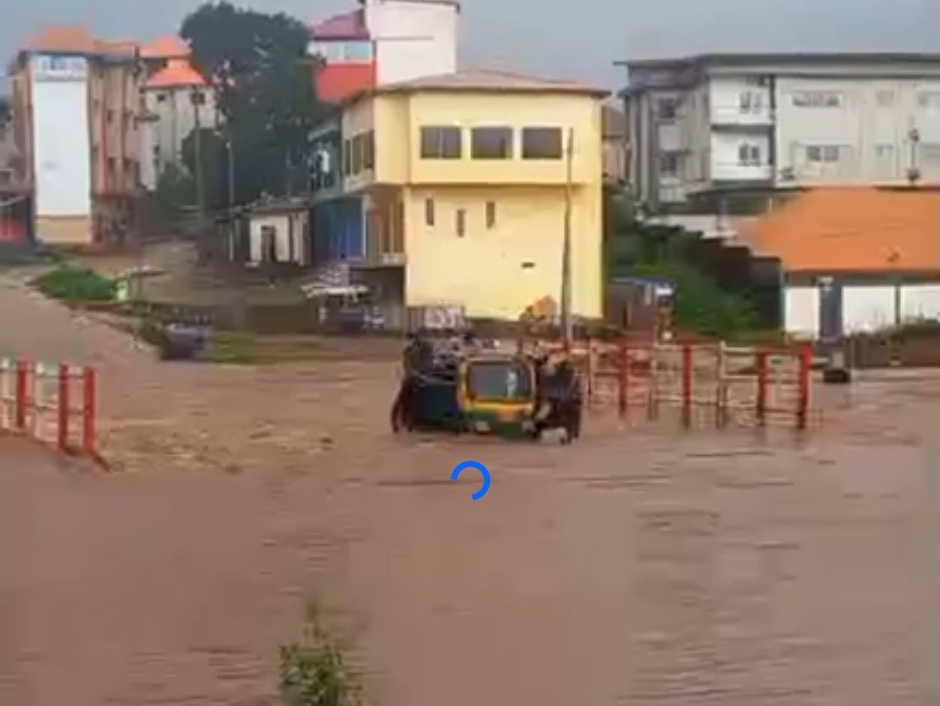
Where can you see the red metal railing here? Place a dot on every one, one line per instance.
(56, 404)
(750, 384)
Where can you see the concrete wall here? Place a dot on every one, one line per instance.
(413, 39)
(60, 138)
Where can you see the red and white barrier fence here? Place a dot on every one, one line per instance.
(56, 404)
(747, 384)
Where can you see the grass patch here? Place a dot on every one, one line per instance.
(233, 348)
(313, 669)
(73, 284)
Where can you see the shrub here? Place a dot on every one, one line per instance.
(72, 283)
(313, 671)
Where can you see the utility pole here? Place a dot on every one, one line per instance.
(230, 170)
(198, 99)
(566, 326)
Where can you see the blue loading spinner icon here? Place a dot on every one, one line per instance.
(477, 466)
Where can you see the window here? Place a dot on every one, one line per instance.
(429, 212)
(668, 164)
(823, 154)
(929, 100)
(461, 222)
(491, 143)
(750, 102)
(930, 154)
(347, 157)
(667, 109)
(541, 143)
(817, 99)
(884, 98)
(499, 381)
(356, 158)
(749, 155)
(438, 142)
(884, 152)
(490, 214)
(884, 160)
(368, 150)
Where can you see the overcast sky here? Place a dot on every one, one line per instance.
(579, 39)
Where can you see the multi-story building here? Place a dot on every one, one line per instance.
(463, 181)
(75, 105)
(384, 41)
(176, 100)
(14, 206)
(722, 124)
(380, 43)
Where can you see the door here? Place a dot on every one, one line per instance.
(830, 309)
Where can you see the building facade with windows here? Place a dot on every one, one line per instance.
(175, 100)
(716, 124)
(463, 181)
(75, 123)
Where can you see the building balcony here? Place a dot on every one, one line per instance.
(731, 116)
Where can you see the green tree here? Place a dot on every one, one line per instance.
(213, 155)
(263, 80)
(636, 248)
(6, 110)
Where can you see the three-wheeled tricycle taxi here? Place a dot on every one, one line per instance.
(466, 387)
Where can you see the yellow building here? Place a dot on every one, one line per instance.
(463, 181)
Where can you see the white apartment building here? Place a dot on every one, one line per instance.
(756, 123)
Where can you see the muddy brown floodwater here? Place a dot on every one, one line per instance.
(640, 566)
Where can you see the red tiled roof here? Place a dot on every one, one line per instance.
(336, 82)
(178, 73)
(62, 39)
(348, 26)
(853, 229)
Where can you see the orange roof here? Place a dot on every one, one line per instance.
(851, 229)
(62, 39)
(167, 47)
(76, 40)
(177, 73)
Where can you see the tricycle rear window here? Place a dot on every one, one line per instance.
(499, 381)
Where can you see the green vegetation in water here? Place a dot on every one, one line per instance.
(700, 304)
(233, 348)
(642, 250)
(72, 283)
(313, 671)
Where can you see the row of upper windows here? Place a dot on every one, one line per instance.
(535, 143)
(756, 102)
(343, 51)
(446, 142)
(884, 98)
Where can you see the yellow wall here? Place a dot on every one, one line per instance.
(483, 270)
(398, 118)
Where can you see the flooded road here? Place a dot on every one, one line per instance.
(638, 567)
